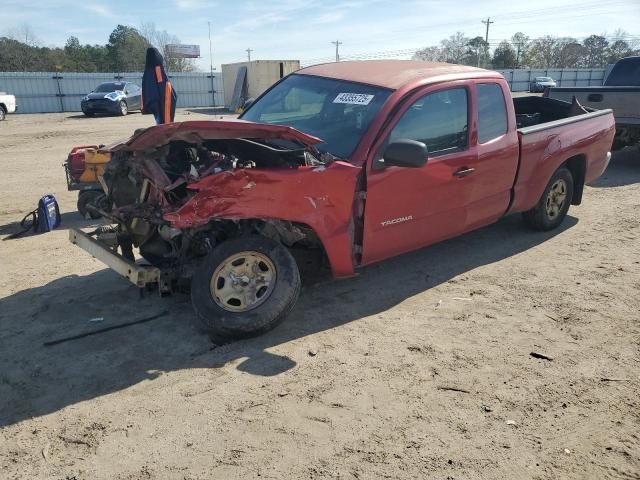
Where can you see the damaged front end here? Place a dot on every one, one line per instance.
(158, 174)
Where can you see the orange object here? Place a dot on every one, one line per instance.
(167, 103)
(94, 161)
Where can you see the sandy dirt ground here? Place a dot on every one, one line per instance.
(420, 367)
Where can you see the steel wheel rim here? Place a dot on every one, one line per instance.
(556, 198)
(123, 108)
(243, 281)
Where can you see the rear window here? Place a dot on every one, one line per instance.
(492, 112)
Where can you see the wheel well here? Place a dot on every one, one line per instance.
(299, 238)
(3, 107)
(577, 165)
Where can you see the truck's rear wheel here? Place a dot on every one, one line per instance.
(553, 204)
(3, 113)
(244, 287)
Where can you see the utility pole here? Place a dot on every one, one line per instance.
(337, 43)
(487, 22)
(249, 50)
(213, 90)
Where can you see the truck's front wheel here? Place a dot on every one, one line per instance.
(91, 197)
(554, 203)
(244, 287)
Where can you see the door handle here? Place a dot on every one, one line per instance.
(463, 172)
(594, 97)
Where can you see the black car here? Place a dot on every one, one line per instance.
(112, 97)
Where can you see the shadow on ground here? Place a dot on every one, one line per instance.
(624, 169)
(80, 116)
(36, 380)
(69, 220)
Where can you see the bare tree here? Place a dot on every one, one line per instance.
(596, 49)
(477, 52)
(520, 44)
(23, 33)
(567, 53)
(429, 54)
(504, 56)
(23, 49)
(454, 48)
(160, 39)
(541, 52)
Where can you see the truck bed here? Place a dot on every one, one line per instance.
(534, 110)
(549, 140)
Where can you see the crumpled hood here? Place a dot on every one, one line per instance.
(197, 131)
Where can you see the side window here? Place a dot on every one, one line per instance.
(438, 120)
(492, 112)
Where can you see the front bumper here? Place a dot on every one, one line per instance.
(139, 275)
(102, 105)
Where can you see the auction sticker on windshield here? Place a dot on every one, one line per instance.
(354, 98)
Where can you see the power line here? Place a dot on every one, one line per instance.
(408, 52)
(525, 16)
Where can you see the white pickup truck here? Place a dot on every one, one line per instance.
(7, 104)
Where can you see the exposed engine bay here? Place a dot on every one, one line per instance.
(145, 185)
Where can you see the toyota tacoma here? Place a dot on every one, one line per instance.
(360, 161)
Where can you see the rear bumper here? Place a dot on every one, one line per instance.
(139, 275)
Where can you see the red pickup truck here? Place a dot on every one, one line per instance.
(361, 161)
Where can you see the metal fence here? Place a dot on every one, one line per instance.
(61, 92)
(40, 92)
(519, 80)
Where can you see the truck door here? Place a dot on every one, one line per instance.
(407, 208)
(497, 155)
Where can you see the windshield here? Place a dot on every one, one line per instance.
(109, 87)
(625, 73)
(336, 111)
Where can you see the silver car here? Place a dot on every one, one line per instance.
(538, 84)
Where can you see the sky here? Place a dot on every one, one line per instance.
(305, 29)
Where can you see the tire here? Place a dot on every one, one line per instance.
(216, 316)
(123, 108)
(3, 113)
(88, 114)
(89, 197)
(554, 203)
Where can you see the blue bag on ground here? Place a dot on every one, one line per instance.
(43, 219)
(48, 214)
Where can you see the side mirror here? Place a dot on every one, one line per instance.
(405, 153)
